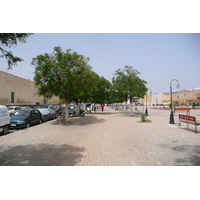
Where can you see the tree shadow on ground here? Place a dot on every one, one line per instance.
(80, 121)
(104, 113)
(41, 155)
(128, 114)
(192, 158)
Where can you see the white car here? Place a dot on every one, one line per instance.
(13, 109)
(4, 120)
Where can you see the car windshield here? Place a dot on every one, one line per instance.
(53, 106)
(11, 108)
(22, 113)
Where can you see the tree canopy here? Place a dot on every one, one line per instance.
(7, 40)
(100, 94)
(127, 84)
(68, 75)
(65, 74)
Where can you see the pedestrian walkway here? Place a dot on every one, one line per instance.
(108, 138)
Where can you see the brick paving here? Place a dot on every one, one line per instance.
(109, 138)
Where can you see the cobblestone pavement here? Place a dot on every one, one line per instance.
(109, 138)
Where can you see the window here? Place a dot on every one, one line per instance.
(12, 97)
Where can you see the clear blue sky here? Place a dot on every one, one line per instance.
(158, 57)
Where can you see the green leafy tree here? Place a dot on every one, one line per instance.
(198, 98)
(65, 74)
(194, 105)
(100, 93)
(114, 96)
(7, 40)
(128, 85)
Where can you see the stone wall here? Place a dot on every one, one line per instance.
(15, 90)
(182, 97)
(187, 96)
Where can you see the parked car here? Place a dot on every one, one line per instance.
(13, 109)
(72, 110)
(56, 108)
(4, 120)
(62, 110)
(25, 118)
(25, 107)
(47, 114)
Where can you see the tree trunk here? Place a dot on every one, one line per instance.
(131, 106)
(78, 108)
(66, 113)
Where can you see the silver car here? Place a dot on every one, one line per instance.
(47, 114)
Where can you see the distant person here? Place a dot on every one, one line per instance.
(102, 106)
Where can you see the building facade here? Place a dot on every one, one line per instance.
(182, 97)
(15, 90)
(187, 96)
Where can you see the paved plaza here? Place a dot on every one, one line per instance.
(109, 138)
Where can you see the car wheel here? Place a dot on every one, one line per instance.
(5, 130)
(28, 125)
(40, 121)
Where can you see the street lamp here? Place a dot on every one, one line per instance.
(146, 112)
(171, 121)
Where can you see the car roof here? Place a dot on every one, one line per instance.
(29, 109)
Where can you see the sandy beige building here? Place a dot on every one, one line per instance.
(156, 99)
(187, 96)
(15, 90)
(182, 97)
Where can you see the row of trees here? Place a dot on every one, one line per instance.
(68, 75)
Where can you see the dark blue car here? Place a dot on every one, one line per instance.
(25, 118)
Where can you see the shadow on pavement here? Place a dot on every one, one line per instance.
(80, 121)
(41, 155)
(103, 113)
(192, 157)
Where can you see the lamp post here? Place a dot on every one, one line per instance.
(171, 121)
(146, 112)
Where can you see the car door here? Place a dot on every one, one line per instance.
(37, 116)
(32, 117)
